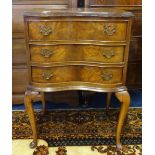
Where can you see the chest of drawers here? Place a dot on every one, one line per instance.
(77, 49)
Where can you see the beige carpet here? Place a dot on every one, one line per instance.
(21, 147)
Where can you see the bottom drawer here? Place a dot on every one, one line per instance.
(103, 75)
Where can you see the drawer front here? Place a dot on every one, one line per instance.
(77, 73)
(85, 30)
(59, 53)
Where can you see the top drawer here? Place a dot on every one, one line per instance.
(77, 30)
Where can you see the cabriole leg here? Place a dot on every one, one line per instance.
(28, 100)
(124, 98)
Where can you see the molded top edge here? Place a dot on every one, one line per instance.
(84, 12)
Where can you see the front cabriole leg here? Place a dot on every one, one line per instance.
(124, 98)
(28, 101)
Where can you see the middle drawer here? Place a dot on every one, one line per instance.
(59, 53)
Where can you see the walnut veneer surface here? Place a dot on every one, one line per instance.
(77, 49)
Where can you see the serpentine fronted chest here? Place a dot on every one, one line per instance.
(77, 49)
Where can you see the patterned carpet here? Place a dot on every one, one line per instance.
(80, 127)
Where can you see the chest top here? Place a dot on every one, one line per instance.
(78, 12)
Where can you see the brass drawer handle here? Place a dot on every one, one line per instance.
(108, 54)
(46, 53)
(109, 29)
(47, 75)
(45, 30)
(106, 76)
